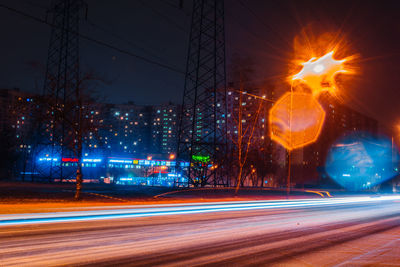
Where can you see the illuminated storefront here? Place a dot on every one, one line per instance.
(118, 170)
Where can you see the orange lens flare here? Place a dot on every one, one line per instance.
(319, 73)
(296, 120)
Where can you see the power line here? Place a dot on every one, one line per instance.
(130, 43)
(178, 5)
(96, 41)
(254, 14)
(255, 96)
(163, 16)
(113, 34)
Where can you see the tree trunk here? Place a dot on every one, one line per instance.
(79, 134)
(239, 179)
(78, 181)
(79, 175)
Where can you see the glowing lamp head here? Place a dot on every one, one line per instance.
(319, 68)
(319, 73)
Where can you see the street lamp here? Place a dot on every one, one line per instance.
(296, 119)
(319, 74)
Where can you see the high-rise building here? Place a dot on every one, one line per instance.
(126, 129)
(340, 120)
(17, 127)
(16, 108)
(164, 128)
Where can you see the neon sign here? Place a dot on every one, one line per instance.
(48, 159)
(120, 161)
(91, 160)
(69, 160)
(201, 158)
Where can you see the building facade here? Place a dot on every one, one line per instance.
(164, 128)
(137, 132)
(340, 120)
(109, 130)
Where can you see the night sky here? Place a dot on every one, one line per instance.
(264, 31)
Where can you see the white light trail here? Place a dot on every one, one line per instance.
(180, 209)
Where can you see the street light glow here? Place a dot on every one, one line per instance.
(319, 68)
(319, 74)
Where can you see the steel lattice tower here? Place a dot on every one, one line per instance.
(61, 84)
(202, 129)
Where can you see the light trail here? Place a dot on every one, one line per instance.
(180, 209)
(312, 229)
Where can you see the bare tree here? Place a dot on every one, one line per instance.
(252, 150)
(245, 133)
(81, 126)
(72, 117)
(244, 118)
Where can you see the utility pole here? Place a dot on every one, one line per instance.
(202, 139)
(61, 85)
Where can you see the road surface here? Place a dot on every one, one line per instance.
(351, 231)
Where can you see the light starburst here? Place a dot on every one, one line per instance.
(319, 73)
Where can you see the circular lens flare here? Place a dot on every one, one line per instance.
(360, 161)
(296, 120)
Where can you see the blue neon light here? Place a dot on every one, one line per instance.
(126, 163)
(48, 159)
(121, 161)
(91, 160)
(174, 175)
(125, 179)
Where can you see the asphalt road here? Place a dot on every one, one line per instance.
(350, 231)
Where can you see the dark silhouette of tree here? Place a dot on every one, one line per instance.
(72, 116)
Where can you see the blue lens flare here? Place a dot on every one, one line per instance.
(360, 161)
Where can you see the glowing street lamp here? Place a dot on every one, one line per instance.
(297, 118)
(319, 73)
(172, 156)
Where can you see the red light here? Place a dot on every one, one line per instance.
(69, 160)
